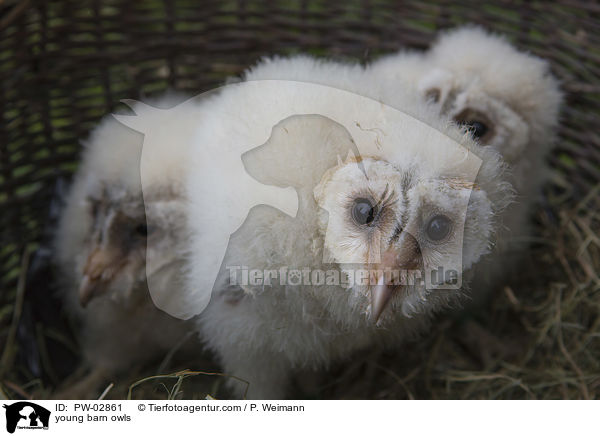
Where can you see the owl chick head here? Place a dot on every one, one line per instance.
(505, 98)
(413, 232)
(124, 215)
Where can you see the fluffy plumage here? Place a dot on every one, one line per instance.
(507, 98)
(304, 68)
(262, 332)
(469, 72)
(113, 234)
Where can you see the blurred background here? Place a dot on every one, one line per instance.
(65, 64)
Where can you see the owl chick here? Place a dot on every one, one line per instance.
(416, 198)
(506, 99)
(110, 227)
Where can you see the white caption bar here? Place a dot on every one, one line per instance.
(298, 417)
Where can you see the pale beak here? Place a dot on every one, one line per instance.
(380, 297)
(405, 256)
(86, 290)
(99, 269)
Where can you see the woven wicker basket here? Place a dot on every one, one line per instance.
(65, 64)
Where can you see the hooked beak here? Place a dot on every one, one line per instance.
(100, 268)
(380, 297)
(405, 256)
(87, 290)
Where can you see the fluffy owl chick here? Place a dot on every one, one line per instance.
(288, 296)
(507, 99)
(109, 227)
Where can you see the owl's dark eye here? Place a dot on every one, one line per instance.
(363, 211)
(141, 230)
(477, 123)
(438, 227)
(478, 129)
(433, 95)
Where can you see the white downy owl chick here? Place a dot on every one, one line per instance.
(506, 98)
(110, 226)
(417, 195)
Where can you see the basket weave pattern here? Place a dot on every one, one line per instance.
(65, 64)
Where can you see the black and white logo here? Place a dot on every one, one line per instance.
(26, 415)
